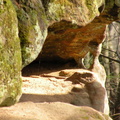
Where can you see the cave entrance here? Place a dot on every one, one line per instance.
(41, 66)
(44, 67)
(48, 59)
(63, 43)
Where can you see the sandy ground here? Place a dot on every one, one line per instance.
(45, 85)
(44, 90)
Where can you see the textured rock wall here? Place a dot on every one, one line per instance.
(28, 22)
(72, 10)
(68, 41)
(51, 111)
(32, 25)
(35, 16)
(92, 92)
(65, 20)
(10, 55)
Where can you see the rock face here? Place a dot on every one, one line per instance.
(73, 41)
(68, 41)
(68, 38)
(92, 86)
(51, 111)
(34, 15)
(10, 55)
(73, 10)
(32, 28)
(30, 23)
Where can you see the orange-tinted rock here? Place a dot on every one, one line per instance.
(68, 41)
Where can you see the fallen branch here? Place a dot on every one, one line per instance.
(117, 114)
(118, 61)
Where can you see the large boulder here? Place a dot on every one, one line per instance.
(10, 55)
(92, 92)
(32, 28)
(50, 111)
(79, 12)
(66, 46)
(34, 15)
(68, 41)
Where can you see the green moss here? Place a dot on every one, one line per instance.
(10, 58)
(8, 101)
(26, 25)
(56, 12)
(78, 12)
(29, 14)
(92, 6)
(85, 118)
(57, 9)
(89, 113)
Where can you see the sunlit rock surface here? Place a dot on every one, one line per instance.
(73, 10)
(92, 91)
(67, 40)
(71, 36)
(51, 111)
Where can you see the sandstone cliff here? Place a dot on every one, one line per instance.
(70, 30)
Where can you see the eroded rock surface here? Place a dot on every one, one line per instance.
(32, 23)
(93, 86)
(10, 55)
(65, 19)
(35, 16)
(51, 111)
(73, 10)
(67, 41)
(70, 41)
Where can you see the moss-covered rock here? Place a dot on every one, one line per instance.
(10, 55)
(80, 12)
(34, 15)
(32, 28)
